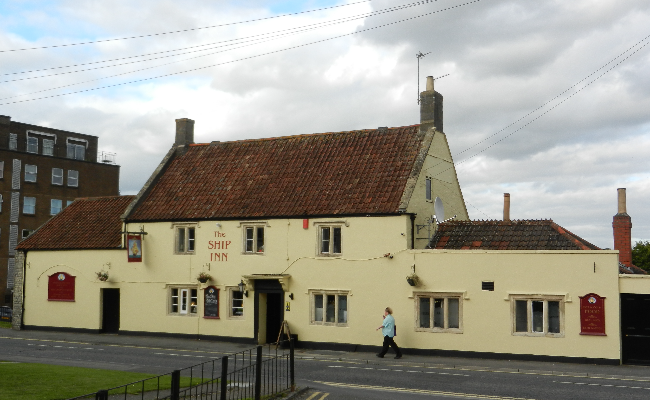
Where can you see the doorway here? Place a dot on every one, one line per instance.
(269, 310)
(110, 310)
(635, 328)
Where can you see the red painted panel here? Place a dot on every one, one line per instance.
(305, 223)
(592, 315)
(60, 287)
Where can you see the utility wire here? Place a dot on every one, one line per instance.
(295, 30)
(239, 59)
(183, 30)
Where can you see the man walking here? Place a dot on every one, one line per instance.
(388, 330)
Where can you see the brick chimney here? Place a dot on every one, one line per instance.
(623, 231)
(430, 108)
(506, 207)
(5, 120)
(184, 132)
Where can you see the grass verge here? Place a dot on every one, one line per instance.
(5, 324)
(52, 382)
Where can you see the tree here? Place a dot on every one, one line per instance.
(641, 255)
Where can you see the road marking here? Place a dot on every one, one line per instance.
(596, 384)
(398, 370)
(316, 394)
(420, 391)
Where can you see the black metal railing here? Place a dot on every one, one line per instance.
(263, 371)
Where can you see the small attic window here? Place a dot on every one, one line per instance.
(427, 189)
(487, 285)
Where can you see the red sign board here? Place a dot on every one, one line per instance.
(592, 315)
(134, 246)
(60, 287)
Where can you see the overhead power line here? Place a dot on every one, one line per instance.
(292, 31)
(227, 62)
(183, 30)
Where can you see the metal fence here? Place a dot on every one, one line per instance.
(263, 371)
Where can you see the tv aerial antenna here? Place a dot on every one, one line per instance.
(419, 56)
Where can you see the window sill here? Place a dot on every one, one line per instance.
(185, 254)
(439, 330)
(250, 253)
(182, 315)
(336, 255)
(341, 325)
(548, 335)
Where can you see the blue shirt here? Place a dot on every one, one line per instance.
(388, 326)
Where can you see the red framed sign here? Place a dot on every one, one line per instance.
(60, 287)
(134, 246)
(592, 315)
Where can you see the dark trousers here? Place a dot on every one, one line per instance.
(388, 341)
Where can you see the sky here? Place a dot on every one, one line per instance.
(548, 101)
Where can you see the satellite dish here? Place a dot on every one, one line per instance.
(439, 209)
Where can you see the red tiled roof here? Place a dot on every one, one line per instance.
(87, 223)
(510, 235)
(344, 173)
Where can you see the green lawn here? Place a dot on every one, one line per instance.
(21, 381)
(5, 324)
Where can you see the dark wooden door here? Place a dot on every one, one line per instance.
(635, 328)
(110, 310)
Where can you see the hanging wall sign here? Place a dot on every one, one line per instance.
(60, 287)
(134, 245)
(211, 302)
(592, 315)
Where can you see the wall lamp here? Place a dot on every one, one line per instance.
(242, 288)
(291, 296)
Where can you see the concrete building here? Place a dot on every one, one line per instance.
(42, 170)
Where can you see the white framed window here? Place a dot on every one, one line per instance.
(48, 147)
(329, 240)
(55, 206)
(537, 315)
(13, 141)
(26, 232)
(185, 239)
(57, 176)
(73, 178)
(29, 205)
(30, 173)
(427, 189)
(68, 202)
(2, 169)
(183, 301)
(235, 303)
(329, 307)
(76, 151)
(439, 312)
(253, 239)
(32, 144)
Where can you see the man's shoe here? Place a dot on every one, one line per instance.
(379, 355)
(398, 357)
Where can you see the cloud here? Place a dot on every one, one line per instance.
(504, 58)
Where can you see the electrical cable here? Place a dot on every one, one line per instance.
(228, 62)
(183, 30)
(295, 30)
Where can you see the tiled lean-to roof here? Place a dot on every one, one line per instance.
(87, 223)
(344, 173)
(507, 235)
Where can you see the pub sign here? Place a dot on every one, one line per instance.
(592, 315)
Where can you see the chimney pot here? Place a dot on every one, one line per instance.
(622, 225)
(429, 83)
(506, 207)
(184, 132)
(622, 207)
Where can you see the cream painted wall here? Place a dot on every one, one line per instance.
(639, 284)
(371, 280)
(439, 166)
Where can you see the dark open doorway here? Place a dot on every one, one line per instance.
(635, 328)
(269, 310)
(110, 310)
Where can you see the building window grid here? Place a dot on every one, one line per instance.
(57, 176)
(254, 239)
(73, 178)
(427, 189)
(2, 169)
(29, 205)
(185, 240)
(55, 206)
(76, 151)
(48, 147)
(330, 238)
(329, 308)
(32, 144)
(184, 301)
(13, 141)
(538, 316)
(236, 303)
(439, 312)
(30, 173)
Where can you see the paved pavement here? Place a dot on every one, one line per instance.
(568, 369)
